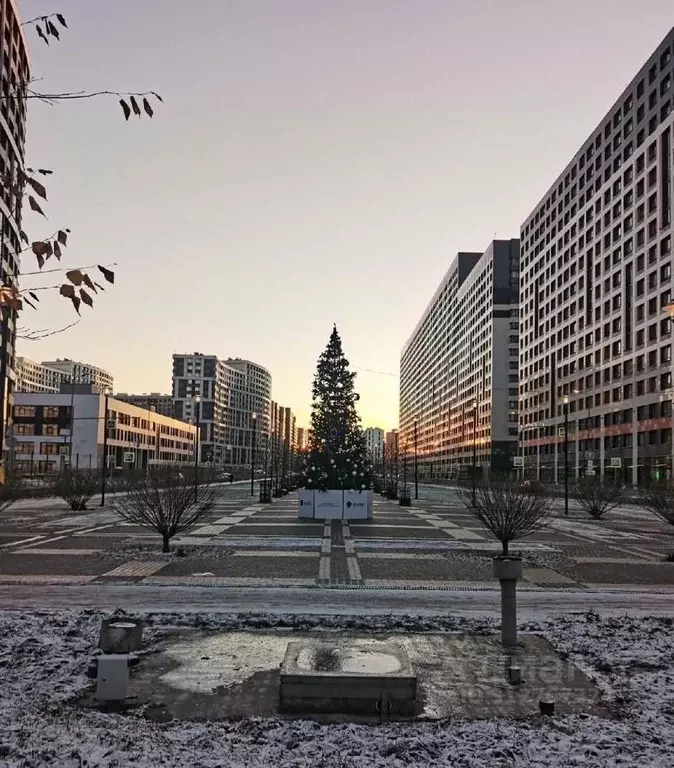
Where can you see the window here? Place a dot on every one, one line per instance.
(50, 430)
(51, 412)
(24, 429)
(24, 411)
(49, 449)
(24, 447)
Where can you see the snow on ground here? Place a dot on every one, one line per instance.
(43, 659)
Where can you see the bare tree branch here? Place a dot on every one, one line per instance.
(506, 509)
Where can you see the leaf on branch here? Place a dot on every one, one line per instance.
(62, 20)
(134, 104)
(86, 298)
(99, 286)
(35, 206)
(41, 248)
(39, 188)
(40, 260)
(125, 108)
(57, 250)
(32, 306)
(88, 282)
(45, 171)
(108, 274)
(157, 96)
(62, 237)
(52, 30)
(24, 237)
(76, 303)
(9, 297)
(148, 109)
(40, 33)
(75, 276)
(33, 295)
(67, 290)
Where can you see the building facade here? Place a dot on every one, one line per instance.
(302, 439)
(374, 443)
(154, 401)
(596, 279)
(35, 377)
(234, 399)
(82, 373)
(51, 431)
(458, 371)
(14, 72)
(280, 456)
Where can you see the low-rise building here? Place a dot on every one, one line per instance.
(51, 430)
(36, 377)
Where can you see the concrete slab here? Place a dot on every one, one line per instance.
(199, 675)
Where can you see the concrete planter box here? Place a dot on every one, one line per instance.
(507, 568)
(335, 505)
(310, 691)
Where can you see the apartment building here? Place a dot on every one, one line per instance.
(53, 430)
(374, 443)
(596, 279)
(35, 377)
(234, 398)
(458, 371)
(302, 439)
(282, 449)
(81, 373)
(154, 401)
(15, 69)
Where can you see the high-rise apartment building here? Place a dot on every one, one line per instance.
(282, 449)
(234, 399)
(82, 373)
(596, 277)
(14, 74)
(302, 439)
(458, 371)
(374, 443)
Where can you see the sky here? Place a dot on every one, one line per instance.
(314, 162)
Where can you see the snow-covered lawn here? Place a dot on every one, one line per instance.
(44, 656)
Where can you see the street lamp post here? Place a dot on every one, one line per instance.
(252, 456)
(474, 469)
(416, 463)
(104, 469)
(566, 454)
(197, 401)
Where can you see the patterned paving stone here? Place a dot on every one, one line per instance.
(135, 570)
(82, 565)
(544, 577)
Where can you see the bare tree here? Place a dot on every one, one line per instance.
(165, 500)
(596, 497)
(658, 498)
(76, 487)
(506, 509)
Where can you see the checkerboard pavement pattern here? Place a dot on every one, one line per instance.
(436, 543)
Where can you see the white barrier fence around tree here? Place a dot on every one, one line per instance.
(335, 505)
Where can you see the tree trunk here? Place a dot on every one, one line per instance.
(166, 539)
(505, 548)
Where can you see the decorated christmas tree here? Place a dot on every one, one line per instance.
(337, 454)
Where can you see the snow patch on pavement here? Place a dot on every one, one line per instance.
(43, 660)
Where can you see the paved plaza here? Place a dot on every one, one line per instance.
(435, 544)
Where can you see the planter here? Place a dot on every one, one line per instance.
(507, 568)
